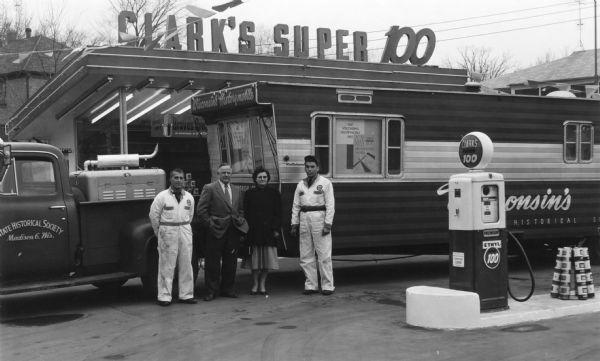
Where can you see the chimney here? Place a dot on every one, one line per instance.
(11, 36)
(28, 33)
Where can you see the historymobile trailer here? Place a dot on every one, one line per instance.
(390, 153)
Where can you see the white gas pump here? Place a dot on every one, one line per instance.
(477, 223)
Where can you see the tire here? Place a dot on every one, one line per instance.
(109, 286)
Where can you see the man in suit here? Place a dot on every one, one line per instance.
(221, 211)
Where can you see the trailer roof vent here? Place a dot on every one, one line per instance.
(355, 96)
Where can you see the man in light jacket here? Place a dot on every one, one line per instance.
(171, 214)
(312, 218)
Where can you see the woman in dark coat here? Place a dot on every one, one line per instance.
(262, 209)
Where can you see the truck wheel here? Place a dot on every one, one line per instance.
(109, 286)
(150, 278)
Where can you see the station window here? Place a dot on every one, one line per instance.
(240, 144)
(353, 145)
(578, 142)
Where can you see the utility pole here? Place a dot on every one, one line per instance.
(596, 47)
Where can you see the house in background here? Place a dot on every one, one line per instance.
(25, 65)
(574, 73)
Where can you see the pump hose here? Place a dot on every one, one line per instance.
(530, 272)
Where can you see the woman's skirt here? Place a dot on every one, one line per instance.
(261, 258)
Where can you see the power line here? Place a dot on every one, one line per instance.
(483, 16)
(513, 19)
(504, 31)
(496, 14)
(477, 25)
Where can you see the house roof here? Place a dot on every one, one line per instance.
(577, 66)
(43, 55)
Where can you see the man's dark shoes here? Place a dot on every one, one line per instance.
(163, 303)
(327, 292)
(190, 301)
(310, 292)
(209, 297)
(229, 295)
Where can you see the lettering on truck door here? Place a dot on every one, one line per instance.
(34, 237)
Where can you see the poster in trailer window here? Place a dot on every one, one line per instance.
(358, 146)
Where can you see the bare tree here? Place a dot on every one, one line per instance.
(550, 55)
(160, 10)
(51, 26)
(482, 60)
(264, 40)
(17, 23)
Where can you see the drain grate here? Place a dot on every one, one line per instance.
(43, 320)
(392, 302)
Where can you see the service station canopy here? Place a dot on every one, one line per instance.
(162, 81)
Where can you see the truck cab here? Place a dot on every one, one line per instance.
(88, 227)
(38, 216)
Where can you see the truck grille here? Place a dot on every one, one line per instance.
(144, 193)
(114, 195)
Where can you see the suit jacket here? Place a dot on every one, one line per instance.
(217, 214)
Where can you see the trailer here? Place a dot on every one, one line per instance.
(390, 153)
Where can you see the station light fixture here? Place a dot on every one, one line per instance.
(183, 110)
(86, 96)
(143, 102)
(104, 103)
(157, 103)
(184, 85)
(180, 103)
(145, 83)
(109, 109)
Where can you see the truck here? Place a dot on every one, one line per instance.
(390, 153)
(61, 229)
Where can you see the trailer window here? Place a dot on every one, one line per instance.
(394, 147)
(321, 142)
(223, 144)
(578, 142)
(240, 146)
(241, 143)
(355, 145)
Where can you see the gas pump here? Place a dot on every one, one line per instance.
(477, 223)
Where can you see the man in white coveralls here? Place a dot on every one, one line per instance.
(171, 214)
(312, 217)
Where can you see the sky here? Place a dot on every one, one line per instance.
(525, 30)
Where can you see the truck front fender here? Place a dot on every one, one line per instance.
(137, 239)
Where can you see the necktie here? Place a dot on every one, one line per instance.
(227, 194)
(178, 196)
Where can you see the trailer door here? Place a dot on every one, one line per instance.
(34, 237)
